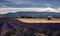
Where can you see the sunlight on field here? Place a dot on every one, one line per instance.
(39, 20)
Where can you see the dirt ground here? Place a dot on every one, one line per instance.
(39, 20)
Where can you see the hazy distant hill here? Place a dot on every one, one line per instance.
(31, 14)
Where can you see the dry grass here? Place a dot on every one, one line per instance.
(39, 20)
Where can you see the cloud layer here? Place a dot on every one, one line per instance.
(47, 9)
(29, 3)
(7, 6)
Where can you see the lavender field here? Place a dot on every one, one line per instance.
(13, 27)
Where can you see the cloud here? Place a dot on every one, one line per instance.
(48, 4)
(3, 6)
(47, 9)
(30, 3)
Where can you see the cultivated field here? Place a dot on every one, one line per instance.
(13, 27)
(39, 20)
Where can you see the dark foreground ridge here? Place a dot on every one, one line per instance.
(9, 24)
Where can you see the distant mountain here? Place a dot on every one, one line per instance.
(31, 14)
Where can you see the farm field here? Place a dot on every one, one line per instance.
(39, 20)
(17, 27)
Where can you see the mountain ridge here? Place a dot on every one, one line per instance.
(31, 14)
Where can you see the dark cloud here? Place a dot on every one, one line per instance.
(30, 3)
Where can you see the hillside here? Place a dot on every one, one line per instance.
(31, 14)
(42, 28)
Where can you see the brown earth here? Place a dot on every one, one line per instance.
(39, 20)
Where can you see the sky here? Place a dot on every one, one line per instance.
(7, 6)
